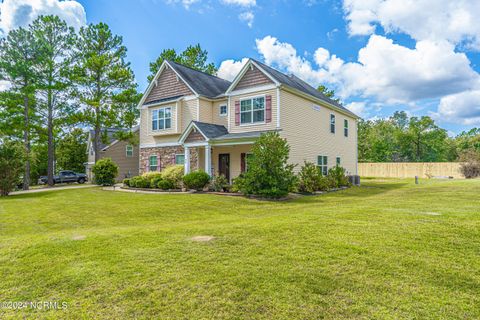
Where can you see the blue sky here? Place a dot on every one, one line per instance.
(379, 55)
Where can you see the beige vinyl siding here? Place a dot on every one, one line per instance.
(126, 165)
(253, 127)
(216, 118)
(235, 157)
(147, 136)
(206, 110)
(307, 131)
(189, 112)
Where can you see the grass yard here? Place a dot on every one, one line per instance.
(386, 250)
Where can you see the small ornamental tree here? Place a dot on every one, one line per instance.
(310, 178)
(105, 171)
(11, 165)
(269, 174)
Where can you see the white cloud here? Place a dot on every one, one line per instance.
(16, 13)
(185, 3)
(358, 107)
(454, 21)
(247, 17)
(230, 68)
(4, 85)
(242, 3)
(463, 108)
(384, 70)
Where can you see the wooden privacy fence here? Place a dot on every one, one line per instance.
(410, 169)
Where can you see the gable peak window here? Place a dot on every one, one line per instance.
(332, 123)
(223, 110)
(162, 119)
(345, 128)
(252, 110)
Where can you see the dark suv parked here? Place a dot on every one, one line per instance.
(65, 177)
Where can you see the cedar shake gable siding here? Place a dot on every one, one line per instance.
(252, 78)
(168, 85)
(194, 136)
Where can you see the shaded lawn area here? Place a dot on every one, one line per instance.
(386, 250)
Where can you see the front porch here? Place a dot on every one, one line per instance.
(218, 159)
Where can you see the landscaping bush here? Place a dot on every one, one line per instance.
(470, 168)
(219, 183)
(174, 174)
(269, 174)
(126, 182)
(165, 184)
(309, 178)
(11, 166)
(337, 178)
(140, 182)
(149, 176)
(105, 171)
(196, 180)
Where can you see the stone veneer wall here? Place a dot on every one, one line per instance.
(166, 157)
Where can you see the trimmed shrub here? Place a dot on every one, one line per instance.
(150, 176)
(174, 174)
(337, 178)
(219, 183)
(140, 182)
(309, 178)
(269, 174)
(105, 171)
(165, 184)
(196, 180)
(126, 182)
(470, 167)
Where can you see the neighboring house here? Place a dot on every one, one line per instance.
(123, 153)
(204, 122)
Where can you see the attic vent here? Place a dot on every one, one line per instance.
(251, 67)
(177, 78)
(156, 83)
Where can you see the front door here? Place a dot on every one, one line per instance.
(224, 165)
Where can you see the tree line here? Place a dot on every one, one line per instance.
(60, 80)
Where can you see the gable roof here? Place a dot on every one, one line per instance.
(110, 136)
(210, 130)
(202, 83)
(297, 83)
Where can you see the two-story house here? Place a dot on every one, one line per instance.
(204, 122)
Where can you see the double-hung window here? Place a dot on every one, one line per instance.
(129, 151)
(223, 110)
(345, 128)
(179, 159)
(339, 161)
(322, 162)
(153, 163)
(252, 110)
(161, 119)
(332, 123)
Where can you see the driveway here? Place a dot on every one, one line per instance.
(45, 189)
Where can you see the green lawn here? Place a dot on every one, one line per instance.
(387, 250)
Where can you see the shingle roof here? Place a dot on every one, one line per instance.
(202, 83)
(108, 135)
(211, 130)
(162, 100)
(299, 84)
(241, 135)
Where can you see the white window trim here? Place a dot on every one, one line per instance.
(220, 110)
(126, 151)
(179, 154)
(150, 162)
(151, 119)
(322, 165)
(264, 96)
(334, 124)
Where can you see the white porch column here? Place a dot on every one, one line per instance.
(187, 160)
(208, 159)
